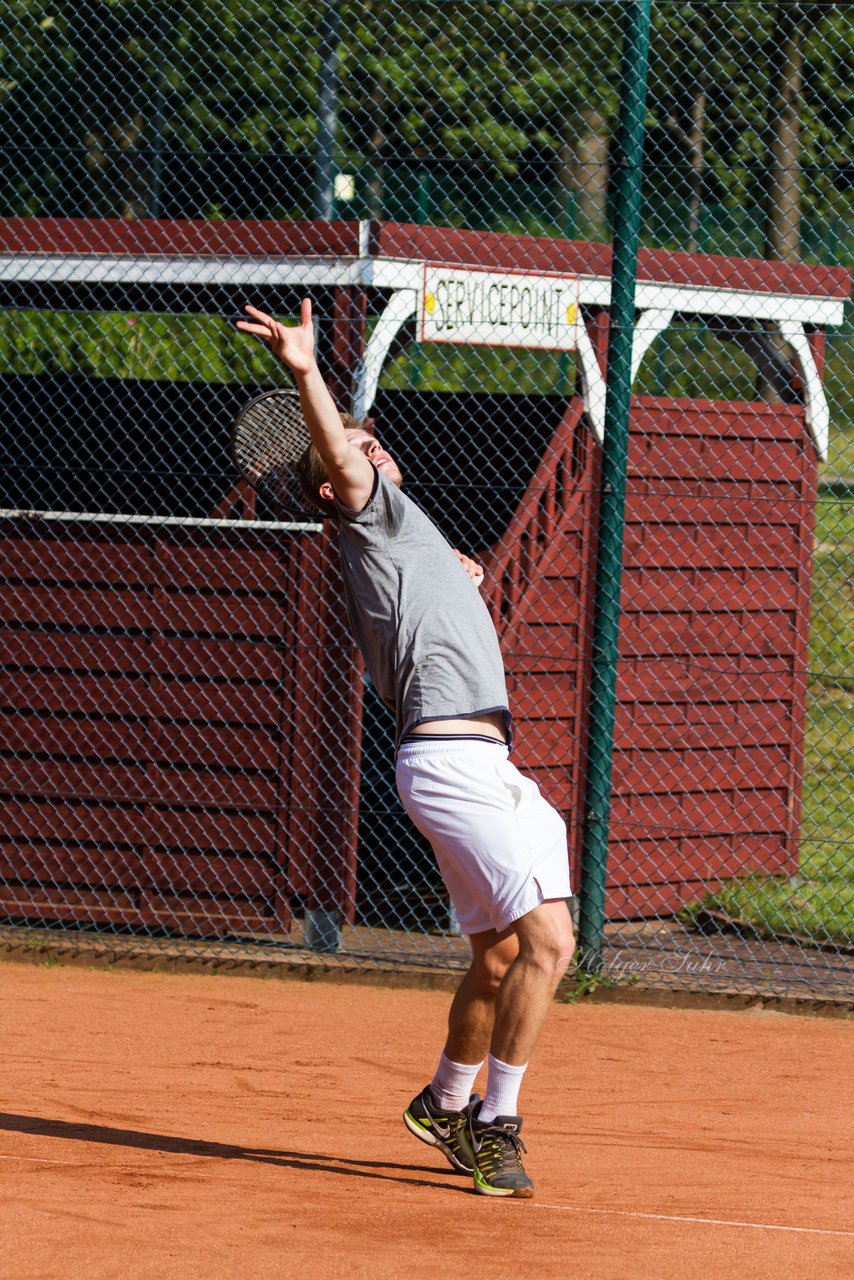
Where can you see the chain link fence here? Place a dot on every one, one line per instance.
(191, 757)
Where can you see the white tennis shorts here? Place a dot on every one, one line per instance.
(501, 848)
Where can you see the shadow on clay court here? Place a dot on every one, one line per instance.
(41, 1127)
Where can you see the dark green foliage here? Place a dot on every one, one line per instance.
(210, 109)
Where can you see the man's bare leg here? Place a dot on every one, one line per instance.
(546, 946)
(490, 1135)
(502, 1001)
(472, 1013)
(470, 1022)
(500, 1005)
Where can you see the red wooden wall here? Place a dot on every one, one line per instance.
(711, 708)
(709, 729)
(156, 743)
(179, 712)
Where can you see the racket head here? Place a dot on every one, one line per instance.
(268, 437)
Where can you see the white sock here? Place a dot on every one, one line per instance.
(451, 1086)
(502, 1090)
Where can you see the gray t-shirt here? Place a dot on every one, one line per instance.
(425, 633)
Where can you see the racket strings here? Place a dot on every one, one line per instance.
(270, 433)
(269, 437)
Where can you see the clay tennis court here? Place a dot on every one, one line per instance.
(209, 1126)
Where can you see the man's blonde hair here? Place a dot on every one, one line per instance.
(311, 472)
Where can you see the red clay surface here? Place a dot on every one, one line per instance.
(194, 1126)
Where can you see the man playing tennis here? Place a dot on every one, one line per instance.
(432, 653)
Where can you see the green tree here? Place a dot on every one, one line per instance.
(186, 108)
(733, 84)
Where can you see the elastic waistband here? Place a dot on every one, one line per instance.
(419, 750)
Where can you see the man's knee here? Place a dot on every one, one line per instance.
(555, 954)
(489, 967)
(547, 939)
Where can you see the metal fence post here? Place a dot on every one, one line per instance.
(327, 111)
(606, 609)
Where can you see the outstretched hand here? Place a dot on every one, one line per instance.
(294, 345)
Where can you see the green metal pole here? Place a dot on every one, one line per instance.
(606, 608)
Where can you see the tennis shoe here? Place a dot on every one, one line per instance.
(495, 1151)
(439, 1128)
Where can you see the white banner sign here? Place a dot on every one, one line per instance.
(498, 309)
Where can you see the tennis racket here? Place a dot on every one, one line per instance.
(269, 435)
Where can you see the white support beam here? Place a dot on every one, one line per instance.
(815, 401)
(400, 307)
(592, 382)
(126, 269)
(648, 326)
(702, 300)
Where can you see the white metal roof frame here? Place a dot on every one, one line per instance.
(657, 304)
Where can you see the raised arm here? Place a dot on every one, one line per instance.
(349, 471)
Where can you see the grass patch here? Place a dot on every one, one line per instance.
(839, 389)
(480, 370)
(148, 346)
(834, 522)
(816, 905)
(818, 913)
(832, 616)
